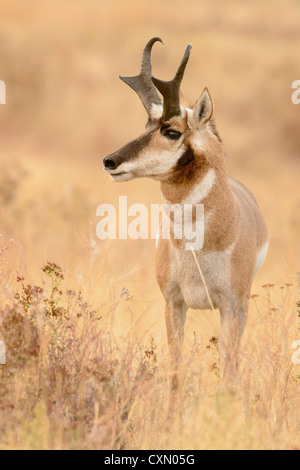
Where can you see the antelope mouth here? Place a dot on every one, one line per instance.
(120, 176)
(110, 172)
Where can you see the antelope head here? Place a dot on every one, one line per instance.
(174, 135)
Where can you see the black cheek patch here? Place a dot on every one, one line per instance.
(185, 159)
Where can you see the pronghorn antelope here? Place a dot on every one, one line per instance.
(182, 149)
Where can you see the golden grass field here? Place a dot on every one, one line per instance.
(87, 358)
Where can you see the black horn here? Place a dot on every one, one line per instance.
(170, 90)
(142, 84)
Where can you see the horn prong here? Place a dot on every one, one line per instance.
(181, 69)
(142, 84)
(146, 60)
(170, 89)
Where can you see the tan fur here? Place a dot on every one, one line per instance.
(234, 235)
(192, 169)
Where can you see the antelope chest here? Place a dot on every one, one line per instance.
(185, 276)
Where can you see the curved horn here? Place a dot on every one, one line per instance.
(142, 84)
(170, 90)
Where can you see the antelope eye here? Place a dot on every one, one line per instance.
(171, 134)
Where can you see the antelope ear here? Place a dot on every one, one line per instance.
(203, 109)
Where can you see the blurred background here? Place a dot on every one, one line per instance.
(67, 109)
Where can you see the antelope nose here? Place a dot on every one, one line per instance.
(109, 163)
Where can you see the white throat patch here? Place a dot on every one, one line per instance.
(202, 189)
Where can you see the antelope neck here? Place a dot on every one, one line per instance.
(194, 184)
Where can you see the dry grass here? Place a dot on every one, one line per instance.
(87, 362)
